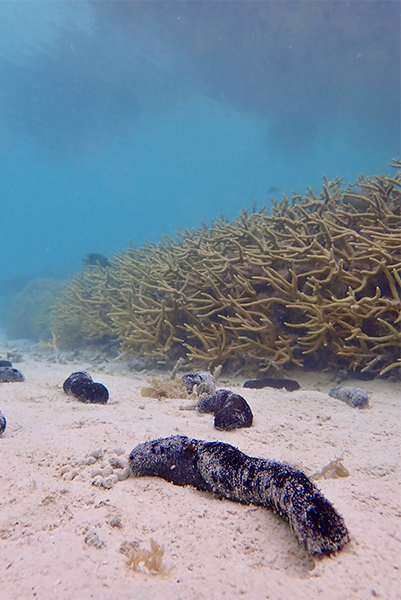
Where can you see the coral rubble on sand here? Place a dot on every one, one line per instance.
(318, 279)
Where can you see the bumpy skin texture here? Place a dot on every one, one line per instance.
(231, 410)
(10, 375)
(355, 397)
(82, 386)
(5, 363)
(224, 470)
(205, 382)
(3, 422)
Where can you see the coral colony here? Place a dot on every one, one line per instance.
(318, 279)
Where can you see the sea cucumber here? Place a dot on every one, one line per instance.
(5, 363)
(10, 375)
(226, 471)
(355, 397)
(82, 386)
(201, 382)
(289, 384)
(3, 422)
(231, 411)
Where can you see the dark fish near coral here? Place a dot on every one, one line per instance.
(355, 397)
(224, 470)
(273, 190)
(3, 423)
(93, 259)
(289, 384)
(10, 375)
(231, 411)
(82, 386)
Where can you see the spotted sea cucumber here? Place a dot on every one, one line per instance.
(3, 422)
(10, 375)
(82, 386)
(231, 411)
(355, 397)
(201, 382)
(228, 472)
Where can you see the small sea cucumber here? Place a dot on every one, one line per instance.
(10, 375)
(355, 397)
(289, 384)
(5, 363)
(231, 411)
(82, 386)
(226, 471)
(201, 382)
(3, 422)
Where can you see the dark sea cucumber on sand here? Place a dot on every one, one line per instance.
(289, 384)
(231, 411)
(3, 423)
(203, 380)
(5, 363)
(355, 397)
(10, 375)
(226, 471)
(82, 386)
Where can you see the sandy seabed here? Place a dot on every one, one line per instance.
(61, 538)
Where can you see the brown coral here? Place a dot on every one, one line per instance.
(321, 272)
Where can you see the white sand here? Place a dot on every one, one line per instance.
(213, 548)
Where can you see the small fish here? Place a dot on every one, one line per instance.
(93, 259)
(273, 190)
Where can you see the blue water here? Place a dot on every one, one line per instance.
(120, 121)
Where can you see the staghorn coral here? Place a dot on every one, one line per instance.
(319, 277)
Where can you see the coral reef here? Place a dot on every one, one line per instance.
(317, 280)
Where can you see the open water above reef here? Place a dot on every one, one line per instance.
(124, 120)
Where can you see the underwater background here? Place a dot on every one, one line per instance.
(121, 121)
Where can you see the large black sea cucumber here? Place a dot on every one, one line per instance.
(82, 386)
(226, 471)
